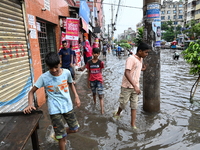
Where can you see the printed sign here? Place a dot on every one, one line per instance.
(72, 29)
(153, 11)
(156, 26)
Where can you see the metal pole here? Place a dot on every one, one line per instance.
(151, 76)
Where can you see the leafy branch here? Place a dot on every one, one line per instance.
(192, 57)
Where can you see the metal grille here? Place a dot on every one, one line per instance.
(46, 36)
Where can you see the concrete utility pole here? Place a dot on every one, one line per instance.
(108, 34)
(151, 76)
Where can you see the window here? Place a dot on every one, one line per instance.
(168, 17)
(174, 16)
(168, 12)
(170, 6)
(174, 11)
(174, 6)
(46, 37)
(175, 22)
(180, 11)
(162, 12)
(180, 5)
(162, 17)
(180, 17)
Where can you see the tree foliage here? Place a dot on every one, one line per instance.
(192, 57)
(170, 31)
(125, 45)
(139, 36)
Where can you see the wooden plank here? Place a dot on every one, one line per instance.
(18, 129)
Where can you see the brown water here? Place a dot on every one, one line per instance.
(175, 127)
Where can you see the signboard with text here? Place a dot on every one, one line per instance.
(153, 10)
(72, 29)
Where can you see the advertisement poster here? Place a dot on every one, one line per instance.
(153, 11)
(156, 26)
(72, 29)
(75, 47)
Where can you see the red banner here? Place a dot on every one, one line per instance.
(72, 29)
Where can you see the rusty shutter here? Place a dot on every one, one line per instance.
(15, 74)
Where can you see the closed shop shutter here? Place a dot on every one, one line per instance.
(15, 74)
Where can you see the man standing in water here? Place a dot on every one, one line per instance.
(130, 82)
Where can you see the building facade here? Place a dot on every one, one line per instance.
(173, 11)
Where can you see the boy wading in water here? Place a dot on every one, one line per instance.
(95, 79)
(130, 82)
(56, 82)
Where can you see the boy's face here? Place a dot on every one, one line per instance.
(55, 71)
(144, 53)
(95, 55)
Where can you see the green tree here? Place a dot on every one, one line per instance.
(192, 57)
(193, 30)
(164, 26)
(125, 45)
(169, 33)
(168, 36)
(139, 36)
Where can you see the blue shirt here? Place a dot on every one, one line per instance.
(118, 48)
(66, 57)
(56, 87)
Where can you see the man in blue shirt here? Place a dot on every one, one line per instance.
(118, 51)
(66, 57)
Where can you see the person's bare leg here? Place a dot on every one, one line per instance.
(94, 98)
(71, 131)
(101, 104)
(62, 143)
(119, 111)
(133, 117)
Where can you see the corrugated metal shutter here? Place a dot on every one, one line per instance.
(15, 74)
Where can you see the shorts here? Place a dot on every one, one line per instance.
(96, 87)
(58, 123)
(104, 53)
(128, 94)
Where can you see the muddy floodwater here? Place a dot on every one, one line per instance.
(175, 127)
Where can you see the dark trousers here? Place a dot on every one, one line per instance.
(71, 71)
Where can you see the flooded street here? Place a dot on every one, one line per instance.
(175, 127)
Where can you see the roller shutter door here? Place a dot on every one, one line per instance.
(15, 74)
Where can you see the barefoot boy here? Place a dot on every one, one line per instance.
(130, 83)
(95, 79)
(56, 82)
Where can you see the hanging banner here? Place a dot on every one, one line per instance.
(84, 11)
(84, 25)
(72, 29)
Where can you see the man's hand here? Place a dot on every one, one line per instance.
(71, 65)
(28, 109)
(137, 90)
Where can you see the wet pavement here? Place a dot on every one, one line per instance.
(175, 127)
